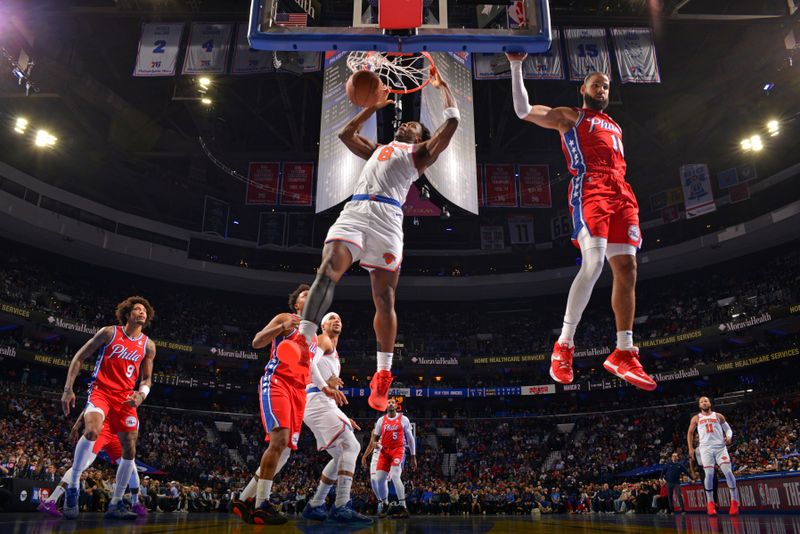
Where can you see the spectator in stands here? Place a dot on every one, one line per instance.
(171, 500)
(672, 473)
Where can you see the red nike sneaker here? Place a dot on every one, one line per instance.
(734, 508)
(379, 390)
(625, 364)
(561, 363)
(712, 510)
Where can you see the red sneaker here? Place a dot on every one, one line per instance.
(379, 390)
(561, 363)
(305, 352)
(712, 510)
(734, 508)
(625, 364)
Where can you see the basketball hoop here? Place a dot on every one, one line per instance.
(400, 73)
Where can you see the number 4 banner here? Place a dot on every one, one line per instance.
(587, 51)
(158, 49)
(208, 49)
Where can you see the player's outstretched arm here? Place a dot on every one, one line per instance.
(690, 435)
(562, 119)
(357, 143)
(102, 337)
(373, 439)
(145, 376)
(282, 323)
(427, 152)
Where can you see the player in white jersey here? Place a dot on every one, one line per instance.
(714, 434)
(370, 227)
(332, 429)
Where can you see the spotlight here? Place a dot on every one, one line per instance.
(756, 143)
(206, 101)
(44, 138)
(204, 83)
(773, 127)
(746, 144)
(445, 213)
(21, 125)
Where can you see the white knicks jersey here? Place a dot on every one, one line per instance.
(389, 172)
(328, 364)
(709, 428)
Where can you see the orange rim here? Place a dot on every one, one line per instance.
(427, 56)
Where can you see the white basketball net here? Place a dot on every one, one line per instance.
(400, 73)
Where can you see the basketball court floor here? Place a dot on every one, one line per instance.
(208, 523)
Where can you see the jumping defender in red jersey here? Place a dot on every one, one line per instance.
(121, 351)
(282, 394)
(393, 430)
(605, 218)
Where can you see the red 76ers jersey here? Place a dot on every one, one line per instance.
(594, 144)
(118, 362)
(395, 433)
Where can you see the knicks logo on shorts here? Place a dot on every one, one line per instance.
(396, 461)
(130, 421)
(724, 458)
(389, 258)
(295, 438)
(633, 233)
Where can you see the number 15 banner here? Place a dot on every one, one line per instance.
(587, 51)
(208, 49)
(158, 49)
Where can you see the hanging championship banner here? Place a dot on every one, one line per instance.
(296, 184)
(158, 49)
(587, 52)
(208, 49)
(501, 186)
(636, 55)
(697, 194)
(534, 186)
(481, 195)
(271, 229)
(546, 66)
(262, 182)
(247, 60)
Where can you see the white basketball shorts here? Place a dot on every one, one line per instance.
(325, 419)
(373, 231)
(711, 456)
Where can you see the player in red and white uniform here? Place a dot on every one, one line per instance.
(282, 401)
(715, 434)
(393, 430)
(332, 429)
(605, 218)
(370, 227)
(122, 350)
(108, 442)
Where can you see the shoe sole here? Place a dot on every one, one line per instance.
(278, 521)
(242, 514)
(373, 403)
(629, 378)
(554, 377)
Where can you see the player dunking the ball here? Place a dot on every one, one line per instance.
(370, 227)
(282, 398)
(332, 429)
(605, 218)
(394, 432)
(122, 350)
(715, 434)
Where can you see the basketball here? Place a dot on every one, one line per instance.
(363, 88)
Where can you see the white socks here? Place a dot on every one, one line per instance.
(83, 451)
(567, 334)
(124, 472)
(322, 493)
(343, 484)
(385, 361)
(263, 489)
(625, 340)
(308, 329)
(249, 491)
(58, 492)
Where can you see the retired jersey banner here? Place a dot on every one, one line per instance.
(546, 66)
(262, 184)
(587, 51)
(534, 186)
(501, 185)
(158, 49)
(636, 55)
(247, 60)
(207, 52)
(697, 194)
(296, 184)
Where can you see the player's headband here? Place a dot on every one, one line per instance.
(327, 317)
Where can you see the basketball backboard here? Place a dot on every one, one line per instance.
(447, 26)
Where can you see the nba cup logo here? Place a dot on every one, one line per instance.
(389, 258)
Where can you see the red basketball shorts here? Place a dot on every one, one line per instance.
(605, 205)
(390, 458)
(119, 417)
(283, 405)
(109, 442)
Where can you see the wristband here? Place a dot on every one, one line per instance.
(144, 390)
(452, 113)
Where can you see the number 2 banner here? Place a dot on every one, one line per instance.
(587, 51)
(158, 49)
(208, 48)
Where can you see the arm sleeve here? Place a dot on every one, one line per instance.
(316, 376)
(520, 95)
(412, 444)
(727, 429)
